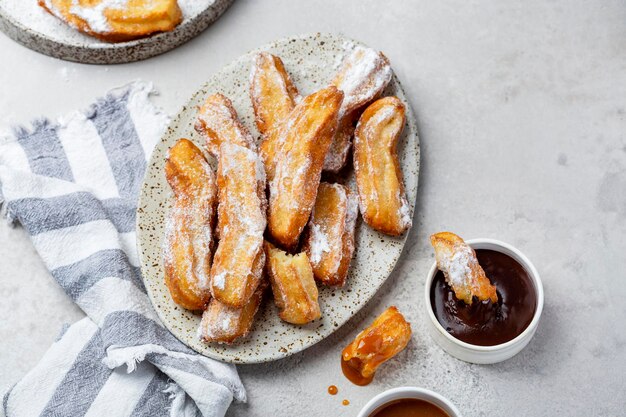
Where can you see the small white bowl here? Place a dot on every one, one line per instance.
(409, 392)
(486, 354)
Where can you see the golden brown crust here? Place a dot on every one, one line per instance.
(379, 180)
(188, 243)
(362, 76)
(273, 97)
(224, 324)
(272, 92)
(457, 260)
(329, 238)
(218, 123)
(239, 260)
(382, 340)
(308, 133)
(293, 285)
(138, 19)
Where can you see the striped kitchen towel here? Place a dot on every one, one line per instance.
(73, 186)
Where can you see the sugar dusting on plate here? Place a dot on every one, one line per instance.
(192, 8)
(94, 15)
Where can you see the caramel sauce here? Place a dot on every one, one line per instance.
(369, 344)
(409, 407)
(350, 371)
(345, 402)
(484, 323)
(379, 342)
(332, 390)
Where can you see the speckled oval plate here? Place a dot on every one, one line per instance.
(27, 23)
(311, 60)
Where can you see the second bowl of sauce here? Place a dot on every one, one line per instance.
(409, 402)
(409, 407)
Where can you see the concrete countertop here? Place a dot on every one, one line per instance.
(522, 116)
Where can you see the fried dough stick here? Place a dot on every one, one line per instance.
(387, 336)
(457, 260)
(293, 285)
(329, 238)
(308, 132)
(382, 198)
(224, 324)
(239, 260)
(188, 244)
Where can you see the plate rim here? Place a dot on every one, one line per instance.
(277, 355)
(114, 52)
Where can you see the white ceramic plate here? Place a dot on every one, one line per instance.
(27, 23)
(311, 60)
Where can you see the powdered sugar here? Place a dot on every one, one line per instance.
(331, 232)
(225, 323)
(363, 74)
(217, 121)
(456, 264)
(219, 280)
(232, 163)
(347, 47)
(193, 238)
(219, 322)
(66, 73)
(94, 15)
(405, 211)
(31, 15)
(236, 161)
(192, 8)
(201, 243)
(318, 244)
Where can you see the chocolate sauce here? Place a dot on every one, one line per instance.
(484, 323)
(408, 407)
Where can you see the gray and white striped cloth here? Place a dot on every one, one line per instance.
(73, 186)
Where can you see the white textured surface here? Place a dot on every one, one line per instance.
(522, 116)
